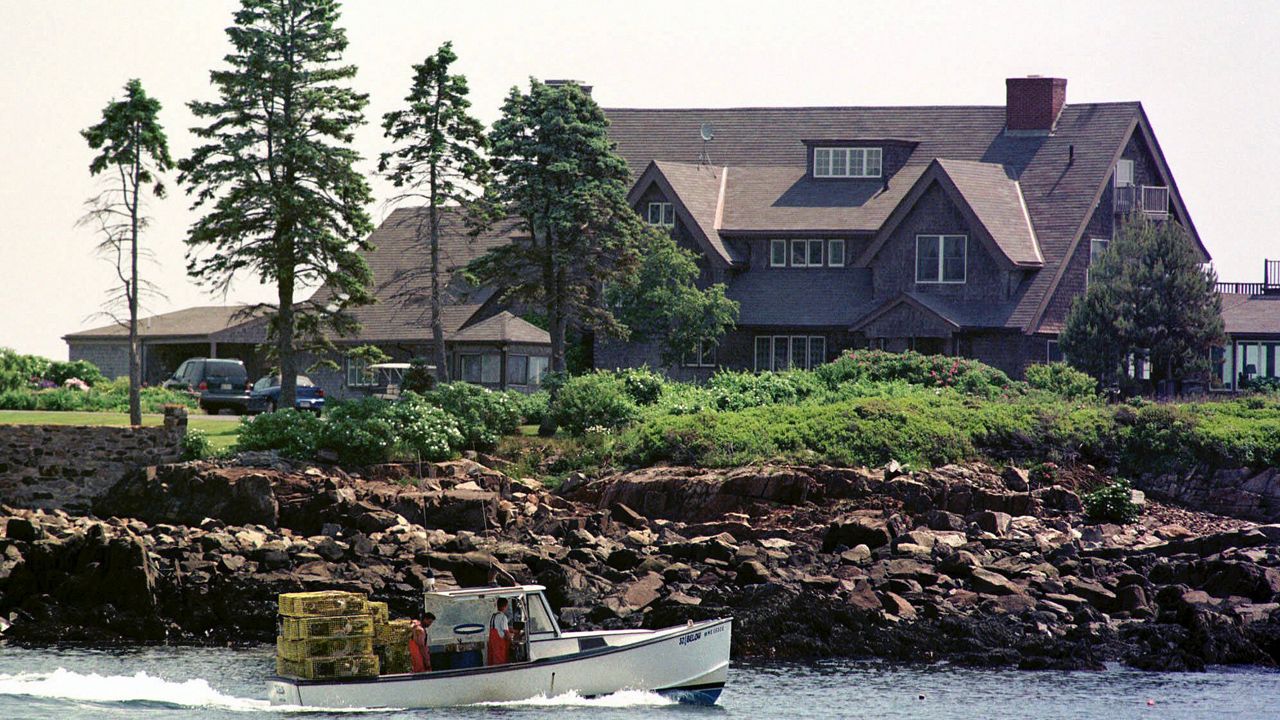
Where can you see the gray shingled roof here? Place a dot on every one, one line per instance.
(402, 286)
(765, 153)
(1251, 314)
(195, 322)
(503, 327)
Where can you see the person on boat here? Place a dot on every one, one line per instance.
(499, 635)
(420, 645)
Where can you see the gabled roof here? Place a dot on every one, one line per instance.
(194, 322)
(402, 283)
(960, 315)
(503, 327)
(697, 192)
(1251, 314)
(1060, 176)
(992, 200)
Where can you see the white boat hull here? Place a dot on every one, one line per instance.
(687, 663)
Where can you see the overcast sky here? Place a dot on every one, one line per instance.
(1206, 73)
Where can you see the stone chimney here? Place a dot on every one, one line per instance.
(1033, 103)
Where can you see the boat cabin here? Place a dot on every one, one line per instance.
(460, 632)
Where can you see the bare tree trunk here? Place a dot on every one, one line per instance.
(440, 358)
(135, 366)
(284, 339)
(555, 327)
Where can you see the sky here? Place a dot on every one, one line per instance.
(1205, 72)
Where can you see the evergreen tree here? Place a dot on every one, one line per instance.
(663, 303)
(438, 160)
(1149, 297)
(283, 199)
(558, 174)
(134, 151)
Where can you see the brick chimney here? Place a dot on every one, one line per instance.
(1032, 103)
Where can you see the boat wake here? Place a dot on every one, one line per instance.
(137, 689)
(620, 699)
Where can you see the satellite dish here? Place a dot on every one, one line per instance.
(707, 131)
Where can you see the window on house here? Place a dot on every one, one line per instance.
(662, 213)
(538, 365)
(783, 352)
(815, 253)
(482, 368)
(835, 253)
(847, 162)
(941, 258)
(358, 373)
(799, 253)
(1124, 173)
(517, 369)
(777, 253)
(1052, 353)
(702, 355)
(1097, 246)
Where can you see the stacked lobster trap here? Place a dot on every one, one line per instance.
(328, 634)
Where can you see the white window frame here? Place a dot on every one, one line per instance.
(1094, 254)
(785, 250)
(787, 341)
(808, 245)
(1159, 212)
(941, 244)
(869, 164)
(1049, 345)
(666, 214)
(804, 253)
(702, 356)
(360, 369)
(830, 255)
(1128, 170)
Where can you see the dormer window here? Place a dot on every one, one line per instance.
(847, 162)
(662, 214)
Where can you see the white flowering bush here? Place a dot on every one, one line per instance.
(484, 416)
(371, 431)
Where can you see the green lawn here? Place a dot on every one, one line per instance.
(221, 431)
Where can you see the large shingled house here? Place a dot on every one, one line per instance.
(962, 230)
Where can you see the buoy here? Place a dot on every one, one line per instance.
(1151, 703)
(920, 696)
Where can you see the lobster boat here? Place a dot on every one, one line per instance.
(688, 663)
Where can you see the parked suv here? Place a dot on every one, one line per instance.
(219, 384)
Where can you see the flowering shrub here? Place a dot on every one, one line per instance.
(76, 384)
(370, 431)
(595, 399)
(963, 374)
(1112, 503)
(483, 415)
(294, 434)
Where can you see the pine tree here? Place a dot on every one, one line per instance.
(1148, 297)
(661, 302)
(277, 175)
(438, 160)
(558, 173)
(134, 151)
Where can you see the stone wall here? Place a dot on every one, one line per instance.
(67, 467)
(1239, 492)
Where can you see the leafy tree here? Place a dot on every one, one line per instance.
(438, 159)
(662, 301)
(560, 178)
(133, 151)
(1149, 296)
(284, 200)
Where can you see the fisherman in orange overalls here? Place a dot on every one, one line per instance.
(499, 635)
(419, 646)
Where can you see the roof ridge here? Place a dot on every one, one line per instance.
(607, 110)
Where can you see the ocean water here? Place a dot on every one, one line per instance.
(146, 683)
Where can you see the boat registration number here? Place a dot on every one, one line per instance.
(696, 636)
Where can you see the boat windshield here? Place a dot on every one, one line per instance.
(539, 621)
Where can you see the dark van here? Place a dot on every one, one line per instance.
(220, 384)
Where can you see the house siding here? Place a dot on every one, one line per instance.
(893, 269)
(110, 357)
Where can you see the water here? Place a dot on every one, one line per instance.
(148, 683)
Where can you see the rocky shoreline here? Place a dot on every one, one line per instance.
(962, 563)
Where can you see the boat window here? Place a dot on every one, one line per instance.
(539, 621)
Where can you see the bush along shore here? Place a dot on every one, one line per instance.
(964, 562)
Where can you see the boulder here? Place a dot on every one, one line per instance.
(992, 583)
(21, 529)
(995, 522)
(643, 592)
(752, 572)
(856, 530)
(895, 604)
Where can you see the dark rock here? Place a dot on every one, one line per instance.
(752, 572)
(856, 530)
(21, 529)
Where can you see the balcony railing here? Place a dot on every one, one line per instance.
(1150, 199)
(1270, 282)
